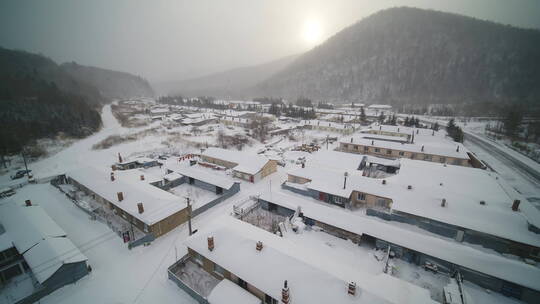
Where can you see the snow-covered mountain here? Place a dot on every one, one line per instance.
(408, 55)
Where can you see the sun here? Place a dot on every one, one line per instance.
(312, 32)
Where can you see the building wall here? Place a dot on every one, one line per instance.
(269, 168)
(219, 162)
(369, 201)
(171, 222)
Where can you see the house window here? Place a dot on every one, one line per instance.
(388, 151)
(401, 153)
(361, 196)
(377, 150)
(219, 270)
(442, 159)
(413, 155)
(356, 147)
(366, 148)
(381, 202)
(427, 157)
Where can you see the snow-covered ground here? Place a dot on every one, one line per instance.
(120, 275)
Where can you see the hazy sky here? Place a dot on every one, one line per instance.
(171, 40)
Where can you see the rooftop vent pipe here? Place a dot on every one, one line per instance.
(142, 177)
(120, 196)
(285, 293)
(409, 187)
(457, 149)
(482, 202)
(443, 203)
(384, 182)
(140, 207)
(28, 203)
(422, 148)
(352, 288)
(210, 243)
(515, 205)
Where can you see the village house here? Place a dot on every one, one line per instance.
(150, 209)
(34, 247)
(327, 126)
(245, 166)
(421, 144)
(238, 253)
(439, 198)
(139, 162)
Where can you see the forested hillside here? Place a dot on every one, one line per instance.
(111, 84)
(39, 98)
(408, 55)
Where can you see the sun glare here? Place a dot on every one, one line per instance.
(311, 32)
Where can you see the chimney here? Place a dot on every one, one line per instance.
(285, 293)
(303, 165)
(112, 176)
(482, 202)
(380, 127)
(259, 246)
(515, 205)
(417, 131)
(409, 187)
(384, 182)
(113, 167)
(422, 148)
(210, 243)
(351, 140)
(119, 157)
(120, 196)
(457, 149)
(140, 207)
(142, 177)
(352, 288)
(443, 203)
(28, 203)
(372, 142)
(433, 133)
(398, 129)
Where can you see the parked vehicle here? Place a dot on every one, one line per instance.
(20, 174)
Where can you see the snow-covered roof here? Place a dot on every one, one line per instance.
(50, 254)
(36, 224)
(345, 161)
(247, 163)
(400, 139)
(462, 187)
(134, 175)
(203, 175)
(323, 124)
(309, 280)
(227, 292)
(380, 106)
(43, 244)
(511, 270)
(158, 204)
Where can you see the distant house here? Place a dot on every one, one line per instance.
(245, 166)
(140, 162)
(31, 242)
(419, 144)
(328, 126)
(149, 208)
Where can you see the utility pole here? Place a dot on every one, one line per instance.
(189, 215)
(25, 165)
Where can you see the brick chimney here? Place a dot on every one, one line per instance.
(210, 243)
(142, 177)
(120, 196)
(457, 149)
(259, 246)
(422, 148)
(28, 203)
(140, 207)
(119, 157)
(112, 176)
(351, 140)
(515, 205)
(285, 293)
(384, 182)
(352, 288)
(409, 187)
(443, 202)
